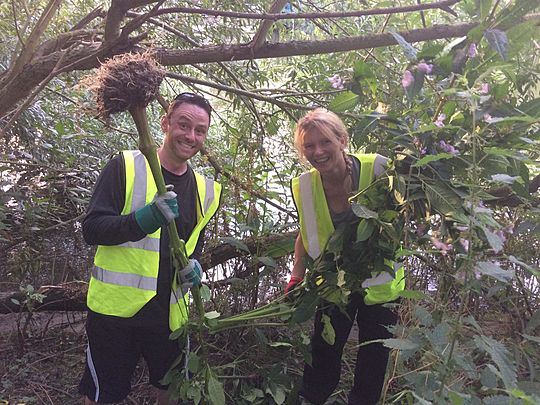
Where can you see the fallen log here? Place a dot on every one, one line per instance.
(71, 296)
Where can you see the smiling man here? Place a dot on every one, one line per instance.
(134, 298)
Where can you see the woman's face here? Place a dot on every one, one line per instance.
(323, 153)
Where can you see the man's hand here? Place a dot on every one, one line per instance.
(162, 210)
(190, 275)
(293, 282)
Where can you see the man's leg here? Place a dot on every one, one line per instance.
(372, 359)
(111, 357)
(160, 353)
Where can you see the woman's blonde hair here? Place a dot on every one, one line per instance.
(325, 122)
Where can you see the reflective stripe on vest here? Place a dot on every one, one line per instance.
(127, 280)
(316, 225)
(124, 277)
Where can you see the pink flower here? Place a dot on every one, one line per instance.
(464, 243)
(446, 147)
(443, 247)
(439, 122)
(336, 82)
(472, 51)
(424, 68)
(407, 80)
(484, 88)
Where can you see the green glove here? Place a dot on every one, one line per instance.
(162, 210)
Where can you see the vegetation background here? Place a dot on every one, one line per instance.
(450, 87)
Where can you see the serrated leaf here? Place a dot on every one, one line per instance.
(493, 239)
(498, 41)
(442, 198)
(501, 357)
(344, 101)
(408, 49)
(495, 271)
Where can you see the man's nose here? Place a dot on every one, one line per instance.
(190, 134)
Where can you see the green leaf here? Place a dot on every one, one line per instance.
(279, 248)
(493, 239)
(328, 332)
(205, 292)
(238, 244)
(215, 391)
(485, 8)
(364, 230)
(362, 211)
(432, 158)
(441, 198)
(267, 261)
(535, 271)
(501, 357)
(400, 344)
(344, 101)
(212, 315)
(413, 295)
(495, 271)
(498, 41)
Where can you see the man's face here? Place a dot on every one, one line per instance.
(185, 131)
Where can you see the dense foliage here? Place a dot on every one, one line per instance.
(458, 116)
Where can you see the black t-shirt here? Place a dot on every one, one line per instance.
(104, 225)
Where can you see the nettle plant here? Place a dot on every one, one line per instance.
(465, 148)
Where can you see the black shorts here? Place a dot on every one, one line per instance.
(113, 352)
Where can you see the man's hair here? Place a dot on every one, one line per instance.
(190, 98)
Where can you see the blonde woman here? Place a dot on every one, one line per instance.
(322, 196)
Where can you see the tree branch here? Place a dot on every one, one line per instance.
(442, 5)
(260, 36)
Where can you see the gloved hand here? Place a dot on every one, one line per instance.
(190, 275)
(293, 282)
(162, 210)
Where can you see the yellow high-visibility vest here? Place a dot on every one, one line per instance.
(316, 225)
(124, 277)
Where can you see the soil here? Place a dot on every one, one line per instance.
(44, 366)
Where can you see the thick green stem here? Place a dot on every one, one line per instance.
(149, 150)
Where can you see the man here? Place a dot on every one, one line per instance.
(133, 299)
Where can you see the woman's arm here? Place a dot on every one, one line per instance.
(299, 268)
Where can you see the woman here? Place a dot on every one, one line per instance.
(322, 196)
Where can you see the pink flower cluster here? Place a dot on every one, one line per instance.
(444, 248)
(446, 147)
(336, 82)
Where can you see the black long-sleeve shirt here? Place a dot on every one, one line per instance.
(104, 225)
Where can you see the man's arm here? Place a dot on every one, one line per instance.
(103, 223)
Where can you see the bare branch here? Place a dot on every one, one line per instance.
(442, 5)
(260, 35)
(32, 41)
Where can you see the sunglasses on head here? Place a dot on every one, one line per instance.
(196, 99)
